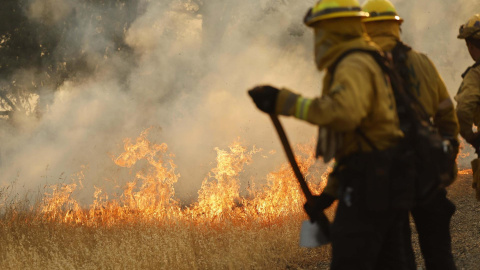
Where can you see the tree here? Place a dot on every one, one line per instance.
(37, 53)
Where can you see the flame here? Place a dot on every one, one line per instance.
(150, 196)
(463, 150)
(219, 196)
(466, 171)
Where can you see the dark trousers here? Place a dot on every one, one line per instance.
(371, 240)
(433, 226)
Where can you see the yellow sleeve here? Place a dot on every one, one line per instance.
(445, 118)
(342, 109)
(468, 100)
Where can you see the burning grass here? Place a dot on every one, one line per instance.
(146, 227)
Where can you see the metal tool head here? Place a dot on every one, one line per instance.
(312, 235)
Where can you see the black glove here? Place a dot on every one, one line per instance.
(265, 97)
(320, 203)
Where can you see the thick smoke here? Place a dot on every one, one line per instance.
(191, 67)
(49, 11)
(432, 28)
(186, 72)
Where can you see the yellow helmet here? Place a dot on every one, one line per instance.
(471, 29)
(380, 10)
(330, 9)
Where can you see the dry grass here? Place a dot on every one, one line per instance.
(147, 228)
(30, 243)
(152, 246)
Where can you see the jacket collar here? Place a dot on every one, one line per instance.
(469, 68)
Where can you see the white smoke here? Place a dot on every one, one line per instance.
(432, 27)
(190, 78)
(49, 11)
(193, 65)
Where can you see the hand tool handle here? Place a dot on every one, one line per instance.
(291, 159)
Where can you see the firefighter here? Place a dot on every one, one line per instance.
(432, 220)
(356, 114)
(468, 96)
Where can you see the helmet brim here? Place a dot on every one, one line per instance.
(383, 18)
(311, 20)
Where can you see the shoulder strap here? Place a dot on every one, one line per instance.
(405, 100)
(399, 55)
(469, 68)
(400, 51)
(381, 61)
(332, 69)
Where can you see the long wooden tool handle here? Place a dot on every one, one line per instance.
(291, 159)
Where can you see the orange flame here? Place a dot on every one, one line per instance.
(466, 171)
(150, 197)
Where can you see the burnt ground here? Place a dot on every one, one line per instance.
(465, 225)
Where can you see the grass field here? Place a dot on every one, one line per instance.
(146, 227)
(153, 246)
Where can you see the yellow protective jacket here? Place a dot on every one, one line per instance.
(430, 89)
(468, 103)
(359, 96)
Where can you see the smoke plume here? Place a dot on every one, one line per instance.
(184, 69)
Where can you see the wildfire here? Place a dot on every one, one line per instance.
(150, 196)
